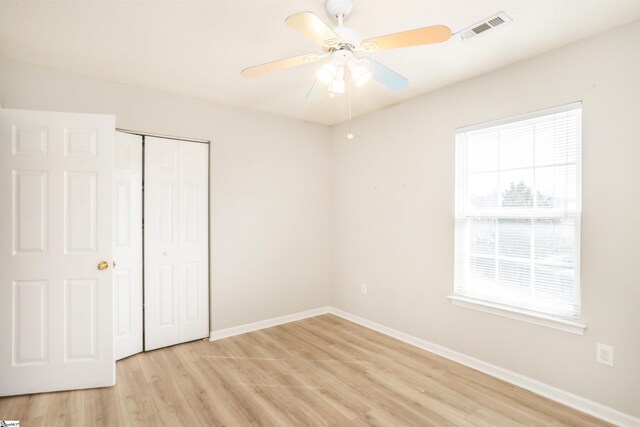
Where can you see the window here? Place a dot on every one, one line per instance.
(518, 213)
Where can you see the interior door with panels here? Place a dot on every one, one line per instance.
(193, 240)
(176, 283)
(56, 312)
(127, 244)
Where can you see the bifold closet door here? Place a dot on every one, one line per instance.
(176, 236)
(127, 245)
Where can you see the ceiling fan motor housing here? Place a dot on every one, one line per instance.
(337, 8)
(341, 56)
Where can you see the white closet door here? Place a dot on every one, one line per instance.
(176, 260)
(193, 240)
(56, 306)
(127, 244)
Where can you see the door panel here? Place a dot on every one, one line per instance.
(123, 315)
(176, 257)
(191, 291)
(56, 307)
(30, 193)
(80, 331)
(127, 246)
(160, 249)
(193, 241)
(30, 322)
(123, 212)
(29, 140)
(80, 211)
(166, 207)
(80, 143)
(165, 295)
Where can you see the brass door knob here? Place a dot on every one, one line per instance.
(103, 265)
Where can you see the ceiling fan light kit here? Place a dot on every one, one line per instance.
(333, 71)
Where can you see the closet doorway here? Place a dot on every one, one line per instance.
(161, 241)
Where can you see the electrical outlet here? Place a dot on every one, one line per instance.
(363, 289)
(604, 354)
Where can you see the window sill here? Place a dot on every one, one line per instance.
(524, 316)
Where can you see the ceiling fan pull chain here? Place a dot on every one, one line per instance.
(350, 134)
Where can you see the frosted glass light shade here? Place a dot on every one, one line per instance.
(326, 73)
(359, 73)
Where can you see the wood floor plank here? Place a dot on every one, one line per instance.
(243, 409)
(7, 405)
(314, 374)
(318, 371)
(310, 408)
(208, 403)
(249, 379)
(133, 393)
(66, 409)
(102, 407)
(173, 408)
(30, 410)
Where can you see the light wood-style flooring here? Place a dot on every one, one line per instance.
(318, 371)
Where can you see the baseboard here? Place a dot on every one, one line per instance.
(268, 323)
(584, 405)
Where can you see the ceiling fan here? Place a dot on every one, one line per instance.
(343, 46)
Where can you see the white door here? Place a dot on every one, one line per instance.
(56, 308)
(176, 236)
(127, 244)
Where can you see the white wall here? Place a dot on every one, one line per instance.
(269, 186)
(393, 217)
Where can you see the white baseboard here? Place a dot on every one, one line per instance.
(580, 403)
(268, 323)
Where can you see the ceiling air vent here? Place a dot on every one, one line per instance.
(483, 26)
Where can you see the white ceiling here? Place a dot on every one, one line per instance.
(198, 48)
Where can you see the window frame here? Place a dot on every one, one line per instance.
(568, 324)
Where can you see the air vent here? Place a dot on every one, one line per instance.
(483, 26)
(496, 21)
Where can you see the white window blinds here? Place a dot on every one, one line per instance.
(518, 212)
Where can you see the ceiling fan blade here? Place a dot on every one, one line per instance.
(317, 92)
(281, 64)
(384, 75)
(425, 35)
(312, 27)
